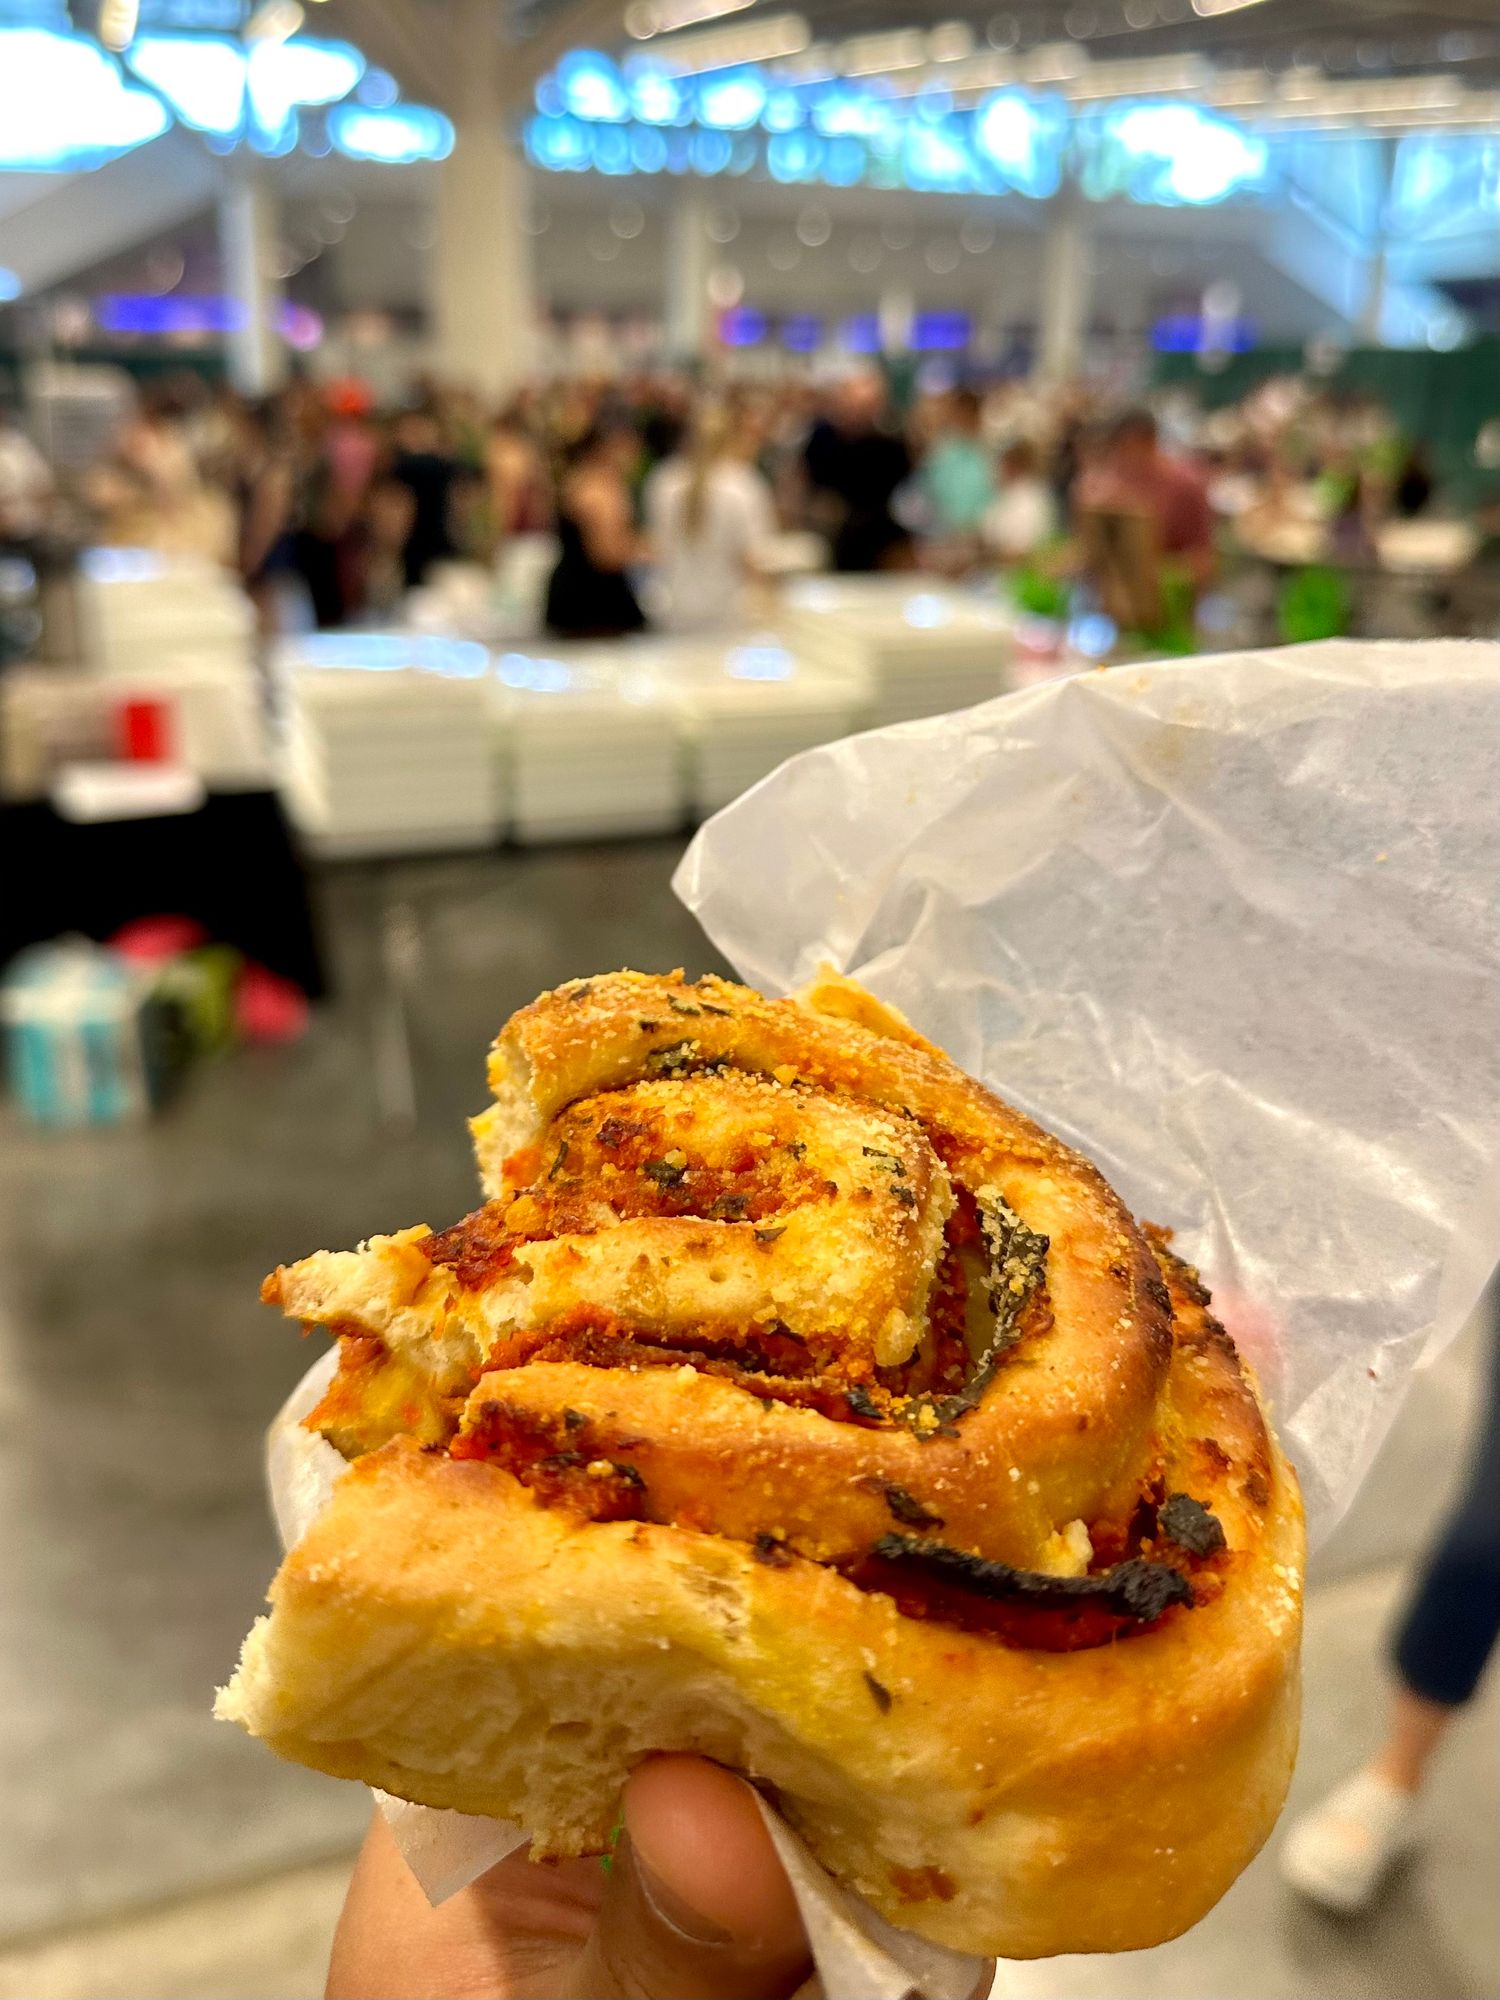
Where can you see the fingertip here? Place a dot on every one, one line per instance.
(698, 1829)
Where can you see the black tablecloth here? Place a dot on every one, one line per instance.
(232, 865)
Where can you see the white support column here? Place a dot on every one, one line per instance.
(893, 318)
(1066, 285)
(1371, 319)
(254, 348)
(486, 309)
(685, 307)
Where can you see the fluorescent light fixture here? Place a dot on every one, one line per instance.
(1208, 8)
(64, 105)
(766, 41)
(1054, 62)
(202, 77)
(645, 18)
(951, 41)
(395, 134)
(873, 55)
(732, 101)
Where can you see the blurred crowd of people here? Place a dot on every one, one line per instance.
(666, 499)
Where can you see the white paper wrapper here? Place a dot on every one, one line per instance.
(1228, 926)
(858, 1955)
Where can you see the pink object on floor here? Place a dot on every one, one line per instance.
(151, 940)
(269, 1008)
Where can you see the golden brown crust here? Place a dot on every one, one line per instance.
(441, 1634)
(823, 1414)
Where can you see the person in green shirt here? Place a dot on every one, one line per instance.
(958, 474)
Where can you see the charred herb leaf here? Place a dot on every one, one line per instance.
(881, 1693)
(663, 1172)
(1189, 1524)
(1138, 1590)
(1017, 1266)
(906, 1508)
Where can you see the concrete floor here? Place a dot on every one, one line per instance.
(145, 1850)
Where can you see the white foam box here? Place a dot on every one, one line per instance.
(743, 708)
(920, 648)
(590, 744)
(386, 743)
(138, 610)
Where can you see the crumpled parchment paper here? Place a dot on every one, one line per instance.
(1228, 926)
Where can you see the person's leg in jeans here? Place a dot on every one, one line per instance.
(1340, 1852)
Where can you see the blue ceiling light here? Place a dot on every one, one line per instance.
(710, 152)
(1172, 153)
(611, 150)
(64, 105)
(794, 156)
(558, 143)
(1022, 139)
(395, 135)
(283, 76)
(10, 285)
(655, 98)
(732, 100)
(935, 158)
(648, 150)
(784, 111)
(592, 88)
(845, 162)
(202, 77)
(845, 109)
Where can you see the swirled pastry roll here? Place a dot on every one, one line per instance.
(794, 1400)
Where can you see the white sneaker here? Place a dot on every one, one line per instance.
(1341, 1851)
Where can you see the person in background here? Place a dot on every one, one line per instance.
(429, 473)
(385, 529)
(351, 451)
(1146, 529)
(708, 513)
(1414, 486)
(516, 477)
(27, 488)
(855, 462)
(589, 595)
(1022, 517)
(146, 491)
(1341, 1853)
(263, 494)
(957, 476)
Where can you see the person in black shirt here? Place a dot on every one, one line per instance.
(429, 475)
(854, 462)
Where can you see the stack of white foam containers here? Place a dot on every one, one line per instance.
(387, 744)
(177, 630)
(744, 708)
(920, 647)
(589, 743)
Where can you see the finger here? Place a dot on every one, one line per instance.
(698, 1906)
(508, 1935)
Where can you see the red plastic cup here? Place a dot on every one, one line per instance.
(145, 730)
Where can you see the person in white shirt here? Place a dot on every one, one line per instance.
(708, 515)
(1023, 515)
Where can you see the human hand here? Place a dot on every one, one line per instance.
(695, 1906)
